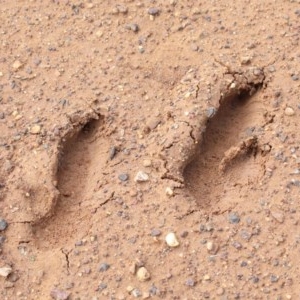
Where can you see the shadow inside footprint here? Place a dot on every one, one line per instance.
(226, 158)
(82, 157)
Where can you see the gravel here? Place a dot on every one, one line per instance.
(190, 282)
(153, 11)
(155, 232)
(103, 267)
(59, 294)
(123, 177)
(3, 224)
(233, 218)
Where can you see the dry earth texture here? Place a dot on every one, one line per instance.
(149, 149)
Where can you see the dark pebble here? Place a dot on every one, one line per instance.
(233, 218)
(184, 234)
(244, 264)
(102, 286)
(133, 27)
(153, 11)
(245, 235)
(190, 282)
(274, 278)
(2, 239)
(155, 232)
(104, 267)
(295, 77)
(13, 277)
(123, 177)
(153, 290)
(112, 152)
(3, 224)
(237, 245)
(255, 279)
(79, 243)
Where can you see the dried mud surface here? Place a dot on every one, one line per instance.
(121, 122)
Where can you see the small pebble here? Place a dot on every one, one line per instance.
(133, 27)
(244, 264)
(112, 152)
(245, 235)
(206, 277)
(122, 9)
(220, 291)
(278, 216)
(141, 177)
(212, 247)
(123, 177)
(153, 290)
(169, 191)
(103, 267)
(274, 278)
(142, 274)
(129, 288)
(194, 47)
(2, 239)
(155, 232)
(35, 129)
(147, 163)
(132, 268)
(210, 112)
(136, 293)
(3, 224)
(59, 294)
(5, 271)
(245, 60)
(289, 111)
(153, 11)
(233, 218)
(171, 240)
(102, 286)
(17, 65)
(190, 282)
(184, 234)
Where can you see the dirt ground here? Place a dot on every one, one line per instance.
(123, 122)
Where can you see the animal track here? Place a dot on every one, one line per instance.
(227, 161)
(82, 158)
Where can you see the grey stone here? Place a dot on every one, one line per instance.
(233, 218)
(155, 232)
(136, 293)
(190, 282)
(104, 267)
(153, 11)
(3, 224)
(123, 177)
(210, 112)
(133, 27)
(59, 294)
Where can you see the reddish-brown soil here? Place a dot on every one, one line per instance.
(200, 98)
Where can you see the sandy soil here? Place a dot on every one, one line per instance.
(122, 122)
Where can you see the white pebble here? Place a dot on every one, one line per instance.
(141, 177)
(35, 129)
(5, 271)
(142, 274)
(289, 111)
(171, 240)
(169, 191)
(147, 163)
